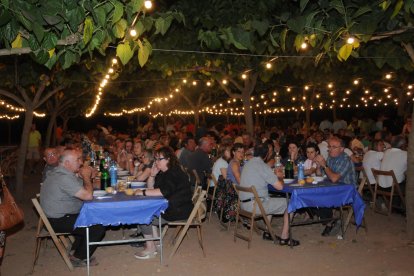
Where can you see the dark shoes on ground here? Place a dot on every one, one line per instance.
(333, 229)
(82, 263)
(289, 242)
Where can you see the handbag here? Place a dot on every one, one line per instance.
(10, 214)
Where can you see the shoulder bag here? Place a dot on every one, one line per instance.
(10, 214)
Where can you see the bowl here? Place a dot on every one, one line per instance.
(288, 180)
(138, 184)
(318, 178)
(99, 193)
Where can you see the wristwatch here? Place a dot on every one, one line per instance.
(144, 193)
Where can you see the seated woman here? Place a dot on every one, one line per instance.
(167, 179)
(234, 168)
(294, 154)
(271, 154)
(221, 164)
(141, 169)
(311, 167)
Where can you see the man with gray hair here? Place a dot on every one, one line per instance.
(61, 197)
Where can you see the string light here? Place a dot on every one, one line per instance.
(8, 117)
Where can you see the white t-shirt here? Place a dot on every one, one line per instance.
(372, 160)
(323, 148)
(396, 160)
(219, 164)
(309, 164)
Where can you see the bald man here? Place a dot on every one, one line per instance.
(61, 197)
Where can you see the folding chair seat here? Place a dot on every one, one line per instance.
(194, 220)
(45, 231)
(386, 193)
(251, 216)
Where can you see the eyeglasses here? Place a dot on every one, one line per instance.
(334, 147)
(51, 154)
(159, 158)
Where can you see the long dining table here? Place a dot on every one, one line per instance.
(322, 194)
(120, 209)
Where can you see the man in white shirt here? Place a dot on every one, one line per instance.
(394, 159)
(372, 159)
(322, 144)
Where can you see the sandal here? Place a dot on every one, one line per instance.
(288, 241)
(268, 237)
(144, 255)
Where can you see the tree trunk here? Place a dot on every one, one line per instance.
(196, 117)
(52, 122)
(334, 113)
(248, 115)
(308, 118)
(409, 187)
(21, 160)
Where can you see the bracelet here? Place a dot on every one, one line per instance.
(144, 193)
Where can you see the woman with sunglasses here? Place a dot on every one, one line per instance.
(167, 179)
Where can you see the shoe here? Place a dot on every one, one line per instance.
(136, 235)
(327, 230)
(290, 242)
(268, 237)
(137, 244)
(336, 227)
(83, 263)
(144, 254)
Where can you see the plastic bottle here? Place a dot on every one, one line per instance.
(301, 171)
(113, 172)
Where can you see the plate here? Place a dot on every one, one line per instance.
(288, 180)
(318, 178)
(123, 173)
(138, 184)
(99, 193)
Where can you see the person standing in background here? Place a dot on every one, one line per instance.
(33, 150)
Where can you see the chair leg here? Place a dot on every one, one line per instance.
(236, 226)
(60, 247)
(252, 227)
(348, 219)
(36, 252)
(200, 239)
(179, 240)
(390, 203)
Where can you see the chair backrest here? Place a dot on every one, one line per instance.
(211, 177)
(197, 178)
(252, 190)
(378, 173)
(200, 195)
(43, 216)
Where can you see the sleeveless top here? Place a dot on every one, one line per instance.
(230, 175)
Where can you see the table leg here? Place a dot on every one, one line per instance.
(289, 221)
(160, 227)
(87, 249)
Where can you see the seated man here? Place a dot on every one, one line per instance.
(51, 157)
(257, 173)
(61, 197)
(338, 168)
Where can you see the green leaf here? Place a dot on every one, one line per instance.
(118, 11)
(139, 27)
(51, 19)
(297, 24)
(241, 38)
(344, 52)
(99, 15)
(162, 25)
(339, 6)
(137, 5)
(148, 22)
(283, 39)
(124, 52)
(51, 62)
(303, 4)
(210, 39)
(5, 3)
(75, 17)
(11, 30)
(274, 43)
(260, 26)
(5, 17)
(361, 11)
(49, 41)
(68, 59)
(397, 8)
(119, 28)
(144, 52)
(87, 30)
(41, 56)
(33, 43)
(38, 31)
(298, 42)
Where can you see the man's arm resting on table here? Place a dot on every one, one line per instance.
(333, 176)
(86, 192)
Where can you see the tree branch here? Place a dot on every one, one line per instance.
(187, 99)
(388, 34)
(12, 96)
(69, 40)
(49, 94)
(410, 51)
(23, 93)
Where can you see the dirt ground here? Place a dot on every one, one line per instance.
(383, 250)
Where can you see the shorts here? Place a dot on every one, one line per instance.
(271, 205)
(33, 153)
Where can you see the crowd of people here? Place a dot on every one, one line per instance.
(162, 157)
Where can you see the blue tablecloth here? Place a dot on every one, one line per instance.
(120, 209)
(324, 194)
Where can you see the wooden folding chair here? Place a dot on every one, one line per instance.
(385, 193)
(212, 196)
(44, 231)
(252, 216)
(361, 186)
(194, 220)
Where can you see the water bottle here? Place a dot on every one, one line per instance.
(277, 160)
(113, 172)
(301, 171)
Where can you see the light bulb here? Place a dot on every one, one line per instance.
(133, 32)
(148, 4)
(350, 40)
